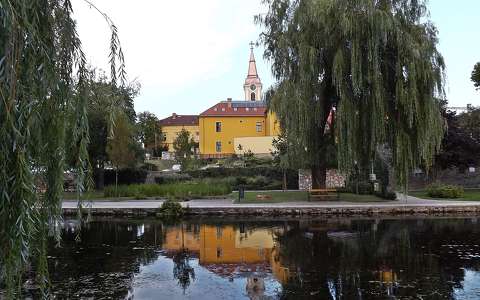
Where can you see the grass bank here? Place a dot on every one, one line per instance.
(300, 196)
(469, 195)
(88, 195)
(173, 190)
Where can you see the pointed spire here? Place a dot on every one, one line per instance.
(253, 84)
(252, 66)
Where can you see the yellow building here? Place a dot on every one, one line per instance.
(178, 238)
(236, 127)
(228, 247)
(172, 126)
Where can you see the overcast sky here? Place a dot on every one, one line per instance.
(190, 54)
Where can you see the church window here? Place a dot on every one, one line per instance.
(252, 96)
(218, 146)
(218, 126)
(247, 108)
(259, 126)
(223, 108)
(235, 109)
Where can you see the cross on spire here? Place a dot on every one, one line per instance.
(253, 85)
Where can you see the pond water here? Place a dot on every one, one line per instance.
(434, 258)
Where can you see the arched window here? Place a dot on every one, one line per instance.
(252, 96)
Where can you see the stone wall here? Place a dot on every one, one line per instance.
(343, 211)
(304, 179)
(334, 179)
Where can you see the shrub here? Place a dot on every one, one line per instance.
(126, 176)
(183, 191)
(170, 209)
(244, 176)
(172, 178)
(140, 197)
(365, 188)
(438, 190)
(386, 195)
(149, 167)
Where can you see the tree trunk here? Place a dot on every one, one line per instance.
(116, 181)
(284, 184)
(391, 180)
(100, 177)
(319, 176)
(319, 171)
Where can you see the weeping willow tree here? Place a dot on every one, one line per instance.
(369, 69)
(42, 93)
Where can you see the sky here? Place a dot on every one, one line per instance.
(189, 54)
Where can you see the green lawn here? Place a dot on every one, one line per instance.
(470, 195)
(90, 195)
(296, 196)
(97, 196)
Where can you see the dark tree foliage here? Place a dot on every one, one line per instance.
(43, 93)
(184, 146)
(476, 76)
(470, 122)
(150, 132)
(459, 149)
(373, 63)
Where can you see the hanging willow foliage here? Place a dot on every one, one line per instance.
(42, 93)
(373, 62)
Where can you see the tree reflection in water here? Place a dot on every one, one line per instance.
(182, 271)
(377, 259)
(301, 259)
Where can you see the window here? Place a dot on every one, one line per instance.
(259, 126)
(219, 252)
(218, 146)
(197, 133)
(235, 109)
(218, 126)
(215, 109)
(252, 96)
(247, 108)
(223, 108)
(219, 232)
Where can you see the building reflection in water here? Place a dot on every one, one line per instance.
(228, 251)
(319, 259)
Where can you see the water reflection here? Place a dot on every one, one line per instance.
(307, 259)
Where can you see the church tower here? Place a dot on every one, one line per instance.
(253, 85)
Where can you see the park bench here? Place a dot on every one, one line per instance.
(322, 194)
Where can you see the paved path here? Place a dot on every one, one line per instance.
(227, 203)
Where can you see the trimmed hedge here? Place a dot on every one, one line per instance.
(126, 176)
(174, 190)
(172, 178)
(259, 177)
(438, 190)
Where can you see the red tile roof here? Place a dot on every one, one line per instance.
(179, 120)
(236, 108)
